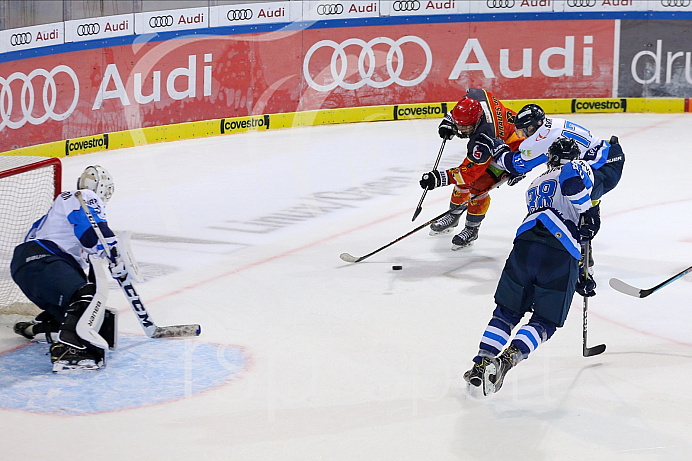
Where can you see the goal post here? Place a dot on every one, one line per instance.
(28, 187)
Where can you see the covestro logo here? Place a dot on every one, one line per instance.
(599, 105)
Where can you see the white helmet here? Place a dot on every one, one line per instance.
(97, 179)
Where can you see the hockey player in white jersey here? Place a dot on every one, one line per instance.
(541, 272)
(606, 158)
(50, 266)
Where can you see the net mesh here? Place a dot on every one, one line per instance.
(28, 186)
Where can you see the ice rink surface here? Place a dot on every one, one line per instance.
(242, 234)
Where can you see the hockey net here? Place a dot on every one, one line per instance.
(28, 186)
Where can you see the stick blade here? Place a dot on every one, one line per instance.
(622, 287)
(348, 258)
(177, 331)
(595, 350)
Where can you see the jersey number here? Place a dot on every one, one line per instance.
(577, 132)
(541, 196)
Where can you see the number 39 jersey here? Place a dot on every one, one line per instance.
(533, 151)
(556, 199)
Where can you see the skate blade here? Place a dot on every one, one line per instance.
(461, 247)
(442, 232)
(489, 386)
(72, 367)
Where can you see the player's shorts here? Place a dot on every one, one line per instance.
(539, 278)
(47, 277)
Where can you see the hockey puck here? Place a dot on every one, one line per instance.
(397, 268)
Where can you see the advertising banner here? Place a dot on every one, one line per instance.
(153, 22)
(88, 92)
(97, 28)
(26, 38)
(428, 62)
(254, 13)
(655, 59)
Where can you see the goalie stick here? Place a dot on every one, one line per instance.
(595, 350)
(419, 208)
(628, 289)
(150, 328)
(352, 259)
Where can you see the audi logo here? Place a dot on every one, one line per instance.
(88, 29)
(366, 56)
(160, 21)
(326, 10)
(20, 39)
(673, 3)
(500, 3)
(406, 5)
(27, 98)
(239, 15)
(581, 3)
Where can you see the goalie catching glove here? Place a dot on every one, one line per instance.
(433, 179)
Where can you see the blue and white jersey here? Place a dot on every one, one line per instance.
(67, 225)
(533, 151)
(557, 198)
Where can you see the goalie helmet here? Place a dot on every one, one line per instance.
(561, 151)
(467, 115)
(97, 179)
(529, 119)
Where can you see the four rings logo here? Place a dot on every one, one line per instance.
(160, 21)
(326, 10)
(239, 15)
(500, 3)
(28, 101)
(366, 57)
(88, 29)
(406, 5)
(581, 3)
(672, 3)
(20, 39)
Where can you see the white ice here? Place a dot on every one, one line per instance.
(360, 362)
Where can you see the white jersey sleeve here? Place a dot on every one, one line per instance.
(556, 199)
(67, 225)
(533, 151)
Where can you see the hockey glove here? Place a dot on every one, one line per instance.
(117, 265)
(433, 179)
(589, 223)
(515, 179)
(586, 285)
(447, 129)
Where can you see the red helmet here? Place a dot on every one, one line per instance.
(467, 112)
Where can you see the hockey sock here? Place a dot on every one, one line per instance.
(531, 335)
(497, 333)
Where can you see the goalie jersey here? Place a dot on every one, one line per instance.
(556, 199)
(67, 226)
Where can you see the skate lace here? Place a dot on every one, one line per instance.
(446, 220)
(465, 233)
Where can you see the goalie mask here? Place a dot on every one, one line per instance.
(562, 151)
(97, 179)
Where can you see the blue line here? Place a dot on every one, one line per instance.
(345, 23)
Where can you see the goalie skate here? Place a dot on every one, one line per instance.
(67, 358)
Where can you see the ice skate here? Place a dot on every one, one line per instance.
(464, 238)
(446, 223)
(68, 358)
(497, 368)
(474, 376)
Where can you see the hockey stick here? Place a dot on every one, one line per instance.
(352, 259)
(595, 350)
(150, 328)
(627, 289)
(419, 208)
